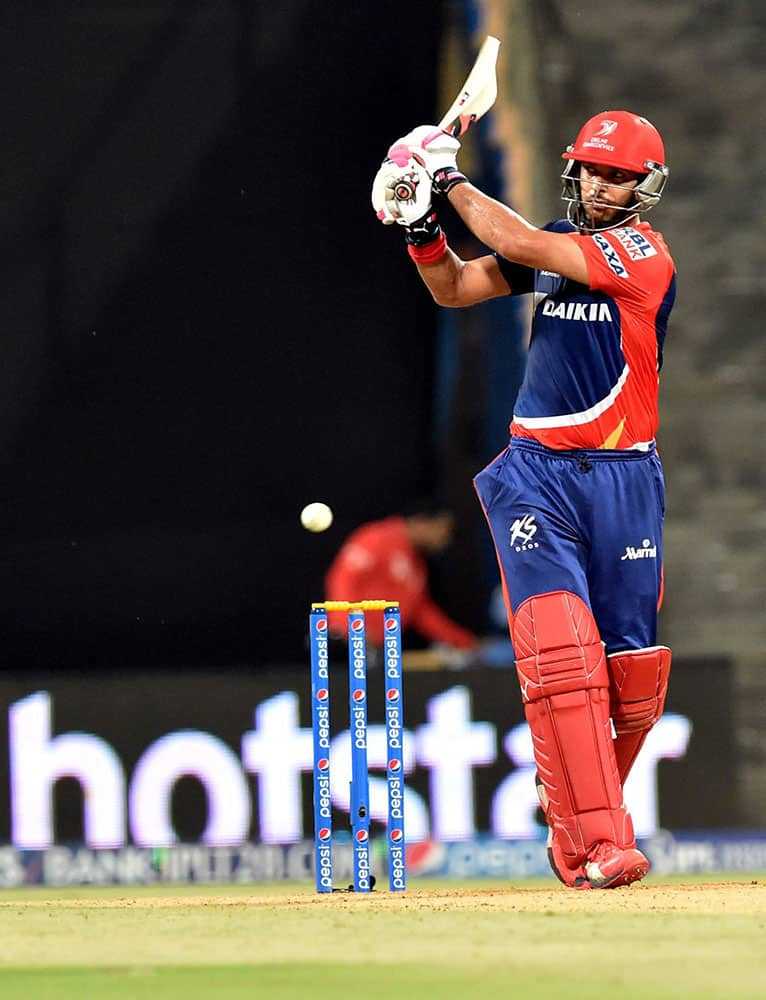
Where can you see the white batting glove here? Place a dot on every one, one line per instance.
(401, 192)
(435, 150)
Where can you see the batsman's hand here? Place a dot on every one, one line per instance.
(435, 150)
(401, 192)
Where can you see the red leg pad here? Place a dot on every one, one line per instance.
(638, 685)
(565, 686)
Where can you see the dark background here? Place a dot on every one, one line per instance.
(203, 325)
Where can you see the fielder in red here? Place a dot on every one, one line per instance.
(575, 503)
(388, 559)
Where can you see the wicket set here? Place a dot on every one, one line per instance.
(360, 778)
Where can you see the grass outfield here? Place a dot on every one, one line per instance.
(665, 938)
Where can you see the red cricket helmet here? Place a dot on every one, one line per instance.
(617, 139)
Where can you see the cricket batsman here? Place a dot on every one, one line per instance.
(575, 503)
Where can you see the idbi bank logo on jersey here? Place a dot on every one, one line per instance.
(647, 551)
(637, 245)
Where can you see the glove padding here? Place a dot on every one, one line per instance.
(428, 145)
(401, 192)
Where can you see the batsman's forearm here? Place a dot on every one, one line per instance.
(442, 278)
(497, 226)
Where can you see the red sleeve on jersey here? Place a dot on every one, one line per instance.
(631, 263)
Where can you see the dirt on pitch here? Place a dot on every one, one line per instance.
(704, 898)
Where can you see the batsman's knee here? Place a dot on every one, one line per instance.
(557, 646)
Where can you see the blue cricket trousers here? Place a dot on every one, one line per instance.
(589, 522)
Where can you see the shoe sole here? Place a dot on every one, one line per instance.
(630, 875)
(626, 877)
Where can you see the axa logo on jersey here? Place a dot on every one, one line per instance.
(522, 533)
(610, 255)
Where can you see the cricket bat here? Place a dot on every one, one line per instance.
(478, 93)
(476, 97)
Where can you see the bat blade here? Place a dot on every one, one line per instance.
(478, 93)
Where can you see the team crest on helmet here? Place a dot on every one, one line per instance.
(607, 127)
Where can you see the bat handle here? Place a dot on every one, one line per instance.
(459, 125)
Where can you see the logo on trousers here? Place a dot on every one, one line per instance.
(523, 531)
(647, 551)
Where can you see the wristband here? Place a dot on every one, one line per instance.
(446, 179)
(431, 252)
(424, 231)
